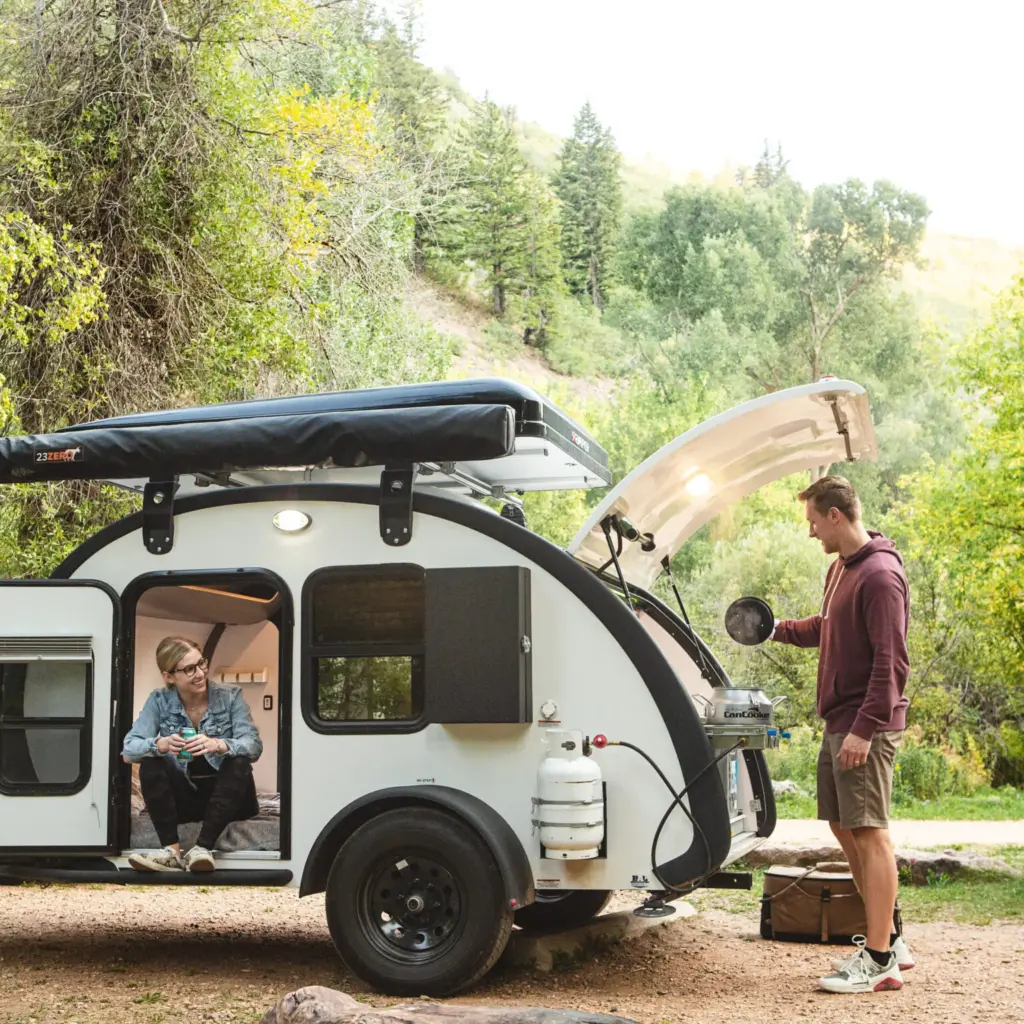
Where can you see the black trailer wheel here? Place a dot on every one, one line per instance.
(557, 910)
(416, 904)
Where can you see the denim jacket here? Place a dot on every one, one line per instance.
(227, 718)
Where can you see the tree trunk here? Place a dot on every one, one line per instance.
(595, 291)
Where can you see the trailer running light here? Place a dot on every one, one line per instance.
(699, 485)
(291, 520)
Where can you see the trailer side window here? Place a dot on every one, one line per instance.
(44, 719)
(365, 633)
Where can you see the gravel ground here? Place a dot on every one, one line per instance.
(113, 955)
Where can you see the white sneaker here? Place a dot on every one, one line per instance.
(199, 859)
(161, 860)
(903, 955)
(862, 974)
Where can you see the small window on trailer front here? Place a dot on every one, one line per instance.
(366, 628)
(44, 726)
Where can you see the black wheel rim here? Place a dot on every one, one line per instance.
(411, 907)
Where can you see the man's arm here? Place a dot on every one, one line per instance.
(798, 632)
(885, 614)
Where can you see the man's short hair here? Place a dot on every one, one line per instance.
(833, 492)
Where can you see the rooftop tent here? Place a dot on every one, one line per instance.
(482, 436)
(690, 480)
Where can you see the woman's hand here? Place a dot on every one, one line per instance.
(170, 744)
(202, 745)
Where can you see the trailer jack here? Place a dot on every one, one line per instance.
(655, 906)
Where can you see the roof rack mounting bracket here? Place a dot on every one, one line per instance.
(158, 515)
(396, 505)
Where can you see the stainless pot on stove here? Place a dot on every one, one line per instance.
(737, 713)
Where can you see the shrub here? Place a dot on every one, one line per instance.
(925, 772)
(921, 771)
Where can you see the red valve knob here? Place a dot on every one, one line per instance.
(600, 740)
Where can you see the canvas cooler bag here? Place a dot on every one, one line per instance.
(815, 904)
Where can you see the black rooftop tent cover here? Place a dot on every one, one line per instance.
(450, 421)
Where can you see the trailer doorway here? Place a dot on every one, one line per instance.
(242, 622)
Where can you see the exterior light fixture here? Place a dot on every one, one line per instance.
(291, 520)
(698, 485)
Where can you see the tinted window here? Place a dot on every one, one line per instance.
(44, 716)
(360, 606)
(365, 644)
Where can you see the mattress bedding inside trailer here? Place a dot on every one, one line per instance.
(260, 833)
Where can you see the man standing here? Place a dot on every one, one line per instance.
(862, 671)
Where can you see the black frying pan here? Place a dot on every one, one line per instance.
(749, 621)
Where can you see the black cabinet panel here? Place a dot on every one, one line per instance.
(478, 645)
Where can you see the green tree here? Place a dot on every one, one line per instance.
(964, 520)
(589, 185)
(416, 105)
(509, 228)
(198, 202)
(784, 272)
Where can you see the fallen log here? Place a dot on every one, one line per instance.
(317, 1005)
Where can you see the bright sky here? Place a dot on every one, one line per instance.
(927, 94)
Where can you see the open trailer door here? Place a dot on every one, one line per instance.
(692, 479)
(57, 658)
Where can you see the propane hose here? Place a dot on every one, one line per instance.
(677, 800)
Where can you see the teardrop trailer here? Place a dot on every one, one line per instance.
(433, 683)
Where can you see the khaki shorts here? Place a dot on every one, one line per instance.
(857, 797)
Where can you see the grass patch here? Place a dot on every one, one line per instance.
(1005, 804)
(151, 997)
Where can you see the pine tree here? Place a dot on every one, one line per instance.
(496, 230)
(541, 279)
(588, 184)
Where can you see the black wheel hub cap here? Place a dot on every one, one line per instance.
(414, 903)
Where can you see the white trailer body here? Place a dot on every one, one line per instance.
(428, 676)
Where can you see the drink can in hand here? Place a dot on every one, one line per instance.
(187, 735)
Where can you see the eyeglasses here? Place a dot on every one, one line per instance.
(190, 670)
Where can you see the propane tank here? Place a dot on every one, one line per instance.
(569, 806)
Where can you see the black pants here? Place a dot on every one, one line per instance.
(219, 797)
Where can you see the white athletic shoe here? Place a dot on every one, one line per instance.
(161, 860)
(862, 974)
(199, 859)
(903, 955)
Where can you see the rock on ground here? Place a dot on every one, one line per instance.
(318, 1005)
(922, 865)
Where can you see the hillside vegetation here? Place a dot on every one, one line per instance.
(210, 202)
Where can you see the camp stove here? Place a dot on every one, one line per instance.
(739, 715)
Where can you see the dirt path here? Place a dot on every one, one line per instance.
(111, 955)
(916, 834)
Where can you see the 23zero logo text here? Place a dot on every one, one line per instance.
(66, 455)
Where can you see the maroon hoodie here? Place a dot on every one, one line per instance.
(862, 633)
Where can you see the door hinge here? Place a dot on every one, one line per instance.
(158, 515)
(396, 505)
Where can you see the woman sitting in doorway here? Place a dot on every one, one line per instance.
(207, 778)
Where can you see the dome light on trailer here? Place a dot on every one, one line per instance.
(698, 485)
(291, 520)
